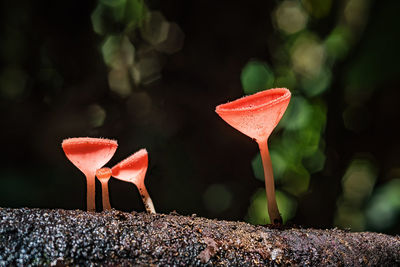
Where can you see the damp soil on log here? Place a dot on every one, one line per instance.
(74, 237)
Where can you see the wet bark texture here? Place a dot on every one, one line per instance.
(74, 237)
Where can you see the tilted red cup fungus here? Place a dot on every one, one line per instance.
(256, 116)
(89, 155)
(133, 169)
(104, 175)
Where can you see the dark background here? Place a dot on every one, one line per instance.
(52, 70)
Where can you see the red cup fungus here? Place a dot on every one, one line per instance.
(256, 116)
(104, 175)
(133, 169)
(89, 155)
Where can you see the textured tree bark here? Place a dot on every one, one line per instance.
(74, 237)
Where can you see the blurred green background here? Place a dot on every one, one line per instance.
(150, 74)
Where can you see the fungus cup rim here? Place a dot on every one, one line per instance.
(242, 104)
(138, 155)
(103, 173)
(78, 141)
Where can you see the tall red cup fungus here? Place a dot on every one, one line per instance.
(89, 155)
(256, 116)
(104, 175)
(133, 169)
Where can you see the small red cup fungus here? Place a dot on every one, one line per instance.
(104, 175)
(256, 116)
(133, 169)
(88, 155)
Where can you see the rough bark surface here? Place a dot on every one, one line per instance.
(74, 237)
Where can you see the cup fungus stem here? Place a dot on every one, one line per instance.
(90, 199)
(105, 196)
(273, 211)
(148, 203)
(104, 175)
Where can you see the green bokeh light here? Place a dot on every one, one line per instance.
(257, 212)
(383, 209)
(217, 198)
(256, 76)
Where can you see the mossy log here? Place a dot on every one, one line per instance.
(74, 237)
